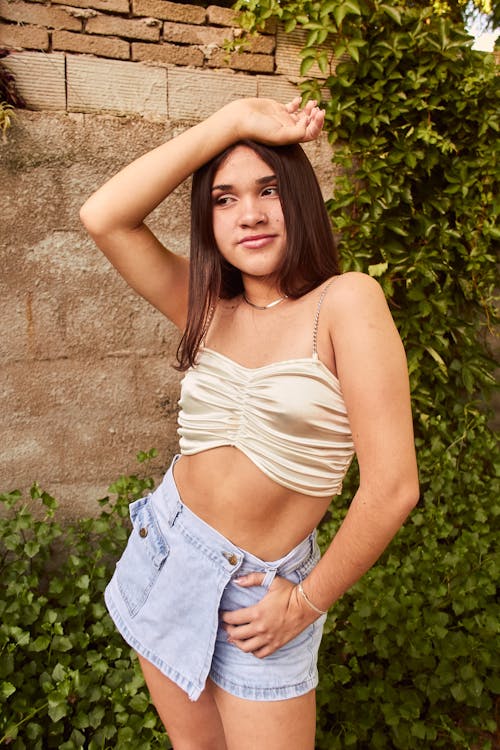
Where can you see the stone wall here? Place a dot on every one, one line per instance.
(86, 376)
(152, 57)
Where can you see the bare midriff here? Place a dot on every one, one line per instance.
(224, 488)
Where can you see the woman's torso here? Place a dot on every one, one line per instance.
(223, 485)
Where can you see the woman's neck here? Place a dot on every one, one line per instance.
(262, 293)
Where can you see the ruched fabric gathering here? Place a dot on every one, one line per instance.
(289, 418)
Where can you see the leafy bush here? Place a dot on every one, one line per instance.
(410, 656)
(67, 679)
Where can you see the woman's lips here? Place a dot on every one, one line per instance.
(256, 241)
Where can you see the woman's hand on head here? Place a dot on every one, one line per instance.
(275, 124)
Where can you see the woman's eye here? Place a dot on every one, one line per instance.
(270, 190)
(222, 200)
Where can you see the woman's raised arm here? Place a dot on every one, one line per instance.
(114, 215)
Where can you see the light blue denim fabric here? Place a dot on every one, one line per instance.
(173, 580)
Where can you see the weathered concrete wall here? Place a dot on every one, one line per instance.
(85, 374)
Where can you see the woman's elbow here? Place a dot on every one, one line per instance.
(397, 494)
(406, 494)
(90, 217)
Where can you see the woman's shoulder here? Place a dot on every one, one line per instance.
(353, 301)
(353, 287)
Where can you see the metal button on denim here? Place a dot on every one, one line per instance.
(231, 558)
(143, 532)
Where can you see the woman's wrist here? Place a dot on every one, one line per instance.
(230, 121)
(304, 599)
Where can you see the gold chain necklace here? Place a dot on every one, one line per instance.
(269, 304)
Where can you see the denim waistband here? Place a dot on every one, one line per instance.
(170, 509)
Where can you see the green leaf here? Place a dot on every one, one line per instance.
(306, 65)
(436, 357)
(6, 690)
(31, 549)
(58, 706)
(40, 643)
(345, 8)
(392, 12)
(377, 269)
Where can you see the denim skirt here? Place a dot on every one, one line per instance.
(172, 582)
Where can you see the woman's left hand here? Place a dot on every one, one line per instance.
(268, 121)
(264, 627)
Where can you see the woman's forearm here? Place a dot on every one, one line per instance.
(367, 529)
(132, 194)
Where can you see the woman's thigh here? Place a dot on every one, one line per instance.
(274, 725)
(190, 725)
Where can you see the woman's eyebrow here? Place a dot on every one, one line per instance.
(261, 181)
(266, 180)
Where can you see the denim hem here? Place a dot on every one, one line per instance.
(193, 692)
(279, 693)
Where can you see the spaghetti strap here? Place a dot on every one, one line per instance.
(207, 326)
(316, 318)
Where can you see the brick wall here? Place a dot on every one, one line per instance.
(153, 31)
(151, 57)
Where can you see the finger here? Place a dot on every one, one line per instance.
(251, 645)
(266, 650)
(310, 106)
(293, 105)
(240, 633)
(315, 125)
(251, 579)
(237, 616)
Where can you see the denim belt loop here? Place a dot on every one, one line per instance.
(269, 577)
(174, 512)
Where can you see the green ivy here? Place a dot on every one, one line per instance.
(410, 656)
(67, 679)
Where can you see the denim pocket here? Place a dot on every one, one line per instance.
(144, 556)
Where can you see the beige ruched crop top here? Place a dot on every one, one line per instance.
(288, 417)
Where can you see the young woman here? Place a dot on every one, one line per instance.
(290, 368)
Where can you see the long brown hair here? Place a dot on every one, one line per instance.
(310, 258)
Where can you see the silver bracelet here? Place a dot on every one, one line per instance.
(309, 602)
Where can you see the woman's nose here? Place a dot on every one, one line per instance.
(251, 213)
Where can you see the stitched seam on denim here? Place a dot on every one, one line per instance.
(285, 691)
(304, 570)
(158, 528)
(313, 662)
(207, 664)
(187, 684)
(214, 556)
(157, 543)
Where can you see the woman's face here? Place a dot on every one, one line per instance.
(248, 222)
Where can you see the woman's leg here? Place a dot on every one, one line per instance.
(191, 725)
(273, 725)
